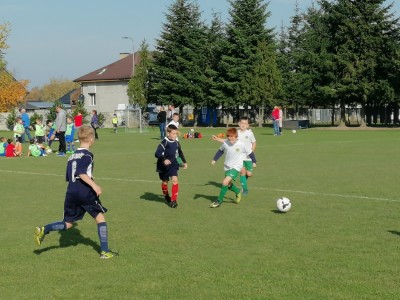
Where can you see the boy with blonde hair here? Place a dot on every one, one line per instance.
(82, 194)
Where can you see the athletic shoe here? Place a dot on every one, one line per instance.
(173, 204)
(39, 235)
(61, 154)
(167, 198)
(215, 204)
(238, 197)
(245, 192)
(108, 254)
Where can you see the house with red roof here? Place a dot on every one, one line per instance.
(105, 89)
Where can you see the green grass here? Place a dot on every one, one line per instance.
(339, 241)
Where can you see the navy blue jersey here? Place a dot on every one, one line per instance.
(168, 149)
(81, 162)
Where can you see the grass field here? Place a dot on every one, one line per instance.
(341, 239)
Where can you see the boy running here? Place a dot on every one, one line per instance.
(235, 153)
(246, 136)
(82, 194)
(167, 154)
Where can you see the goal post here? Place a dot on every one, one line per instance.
(131, 119)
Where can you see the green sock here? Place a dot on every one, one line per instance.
(222, 193)
(234, 189)
(243, 181)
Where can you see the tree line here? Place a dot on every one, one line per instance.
(340, 53)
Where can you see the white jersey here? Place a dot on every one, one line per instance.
(247, 138)
(176, 124)
(173, 123)
(234, 154)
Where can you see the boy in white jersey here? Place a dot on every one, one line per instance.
(235, 153)
(246, 136)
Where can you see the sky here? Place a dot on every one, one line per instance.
(66, 39)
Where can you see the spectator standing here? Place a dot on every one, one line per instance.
(61, 127)
(26, 121)
(275, 120)
(162, 121)
(95, 123)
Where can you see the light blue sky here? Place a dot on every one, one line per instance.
(70, 38)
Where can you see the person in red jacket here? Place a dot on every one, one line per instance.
(275, 119)
(10, 149)
(78, 122)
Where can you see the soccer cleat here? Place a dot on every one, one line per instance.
(61, 154)
(238, 197)
(245, 192)
(108, 254)
(173, 204)
(215, 204)
(39, 235)
(167, 198)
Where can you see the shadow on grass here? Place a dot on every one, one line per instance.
(70, 238)
(394, 232)
(213, 183)
(212, 198)
(276, 211)
(153, 197)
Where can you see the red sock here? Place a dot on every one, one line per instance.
(164, 188)
(175, 188)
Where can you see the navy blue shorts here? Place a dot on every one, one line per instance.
(166, 173)
(77, 204)
(69, 138)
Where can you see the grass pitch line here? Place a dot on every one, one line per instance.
(255, 188)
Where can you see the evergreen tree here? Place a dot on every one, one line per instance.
(138, 88)
(247, 38)
(365, 47)
(179, 65)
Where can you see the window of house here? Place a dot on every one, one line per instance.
(92, 99)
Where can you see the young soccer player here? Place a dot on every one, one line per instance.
(3, 145)
(167, 164)
(51, 132)
(39, 131)
(115, 123)
(246, 136)
(19, 130)
(82, 194)
(36, 150)
(69, 136)
(10, 148)
(236, 152)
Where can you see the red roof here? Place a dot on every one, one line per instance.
(116, 71)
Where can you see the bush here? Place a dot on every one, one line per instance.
(10, 121)
(102, 119)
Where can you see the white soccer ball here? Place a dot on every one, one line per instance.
(294, 130)
(283, 204)
(48, 151)
(192, 130)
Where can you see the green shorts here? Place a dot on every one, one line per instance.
(248, 165)
(232, 173)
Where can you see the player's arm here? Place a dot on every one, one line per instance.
(218, 139)
(160, 154)
(253, 146)
(217, 156)
(85, 178)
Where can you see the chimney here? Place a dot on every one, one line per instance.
(123, 55)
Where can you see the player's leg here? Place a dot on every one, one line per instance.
(174, 191)
(243, 180)
(41, 231)
(164, 188)
(224, 189)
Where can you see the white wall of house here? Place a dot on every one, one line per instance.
(107, 95)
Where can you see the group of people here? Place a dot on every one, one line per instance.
(239, 161)
(63, 128)
(83, 192)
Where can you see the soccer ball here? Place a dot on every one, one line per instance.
(283, 204)
(48, 151)
(294, 130)
(192, 130)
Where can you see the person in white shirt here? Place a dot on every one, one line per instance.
(235, 153)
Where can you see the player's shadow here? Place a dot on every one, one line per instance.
(394, 232)
(213, 183)
(153, 197)
(212, 198)
(70, 238)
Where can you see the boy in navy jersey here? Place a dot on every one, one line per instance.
(167, 164)
(82, 194)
